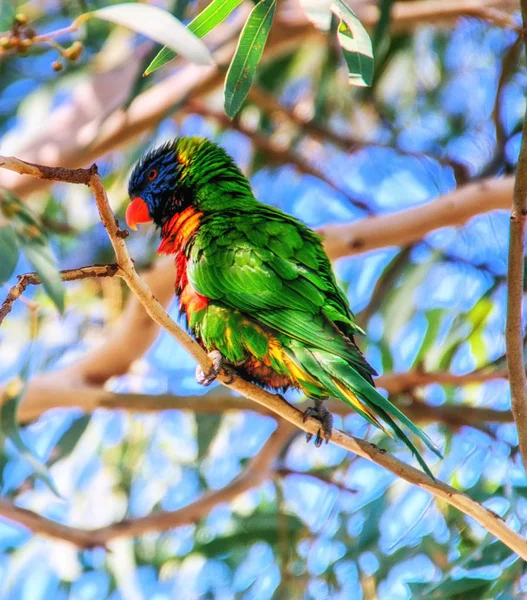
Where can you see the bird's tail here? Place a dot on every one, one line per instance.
(343, 382)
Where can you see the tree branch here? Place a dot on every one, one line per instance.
(407, 15)
(68, 275)
(59, 390)
(486, 518)
(410, 225)
(514, 327)
(276, 153)
(259, 469)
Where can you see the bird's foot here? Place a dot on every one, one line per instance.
(321, 414)
(218, 363)
(207, 377)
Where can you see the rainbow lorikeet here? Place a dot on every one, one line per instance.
(255, 284)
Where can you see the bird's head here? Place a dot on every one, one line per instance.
(153, 186)
(185, 172)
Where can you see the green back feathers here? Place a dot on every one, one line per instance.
(266, 265)
(211, 174)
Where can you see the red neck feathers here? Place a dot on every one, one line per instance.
(176, 234)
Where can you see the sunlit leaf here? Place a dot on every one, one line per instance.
(356, 45)
(401, 308)
(452, 588)
(216, 12)
(207, 426)
(247, 56)
(43, 261)
(8, 253)
(434, 318)
(69, 439)
(158, 25)
(11, 398)
(7, 14)
(260, 528)
(34, 244)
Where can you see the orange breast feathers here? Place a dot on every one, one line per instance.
(189, 300)
(178, 230)
(176, 234)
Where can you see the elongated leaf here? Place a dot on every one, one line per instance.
(208, 426)
(383, 23)
(34, 243)
(69, 439)
(356, 45)
(7, 14)
(433, 317)
(12, 396)
(247, 56)
(158, 25)
(216, 12)
(40, 256)
(8, 253)
(260, 527)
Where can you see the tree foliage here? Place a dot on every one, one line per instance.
(115, 422)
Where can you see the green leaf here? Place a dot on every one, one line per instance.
(401, 308)
(8, 253)
(452, 588)
(11, 398)
(207, 426)
(40, 256)
(356, 45)
(265, 528)
(7, 14)
(247, 56)
(434, 318)
(158, 25)
(69, 439)
(216, 12)
(383, 23)
(34, 243)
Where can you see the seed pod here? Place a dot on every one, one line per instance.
(21, 19)
(5, 43)
(74, 51)
(30, 33)
(57, 66)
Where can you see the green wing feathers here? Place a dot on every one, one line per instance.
(274, 270)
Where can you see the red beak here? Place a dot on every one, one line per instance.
(137, 212)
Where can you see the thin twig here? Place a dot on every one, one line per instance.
(270, 105)
(276, 153)
(49, 392)
(67, 275)
(259, 469)
(514, 328)
(485, 517)
(509, 63)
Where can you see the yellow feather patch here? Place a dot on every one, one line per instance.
(354, 401)
(291, 369)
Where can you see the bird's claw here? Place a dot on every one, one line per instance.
(205, 378)
(321, 414)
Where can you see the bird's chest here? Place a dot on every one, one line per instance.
(177, 234)
(190, 302)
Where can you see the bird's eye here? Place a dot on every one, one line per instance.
(152, 174)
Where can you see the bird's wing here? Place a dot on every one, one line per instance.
(274, 269)
(276, 272)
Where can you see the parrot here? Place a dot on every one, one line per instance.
(255, 286)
